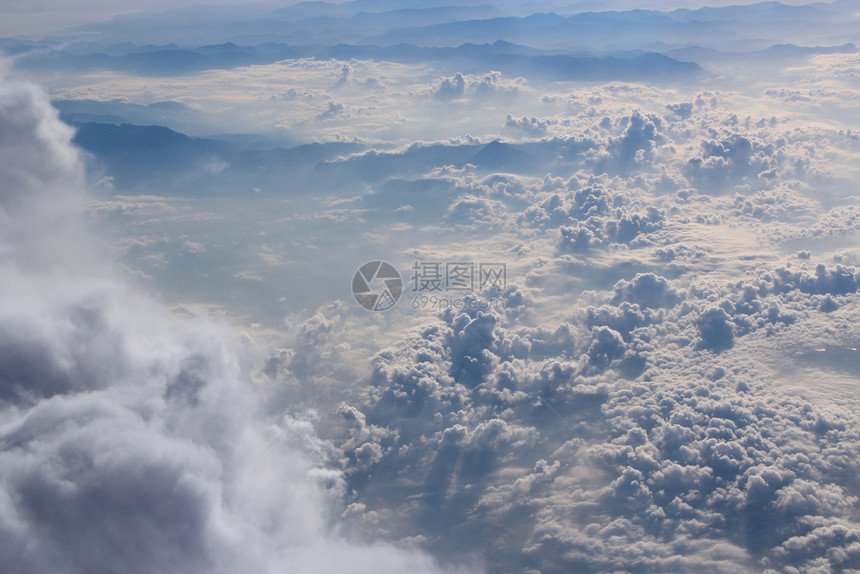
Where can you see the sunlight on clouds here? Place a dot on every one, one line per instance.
(664, 381)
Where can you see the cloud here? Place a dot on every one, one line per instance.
(647, 290)
(133, 440)
(650, 431)
(42, 177)
(715, 330)
(344, 76)
(334, 109)
(664, 386)
(679, 469)
(451, 88)
(529, 126)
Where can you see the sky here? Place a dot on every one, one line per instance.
(49, 17)
(451, 289)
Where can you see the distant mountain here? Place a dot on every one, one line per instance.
(502, 157)
(778, 51)
(575, 25)
(175, 115)
(469, 58)
(135, 154)
(649, 66)
(714, 27)
(108, 140)
(790, 51)
(157, 158)
(595, 45)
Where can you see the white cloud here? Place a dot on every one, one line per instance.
(132, 440)
(679, 469)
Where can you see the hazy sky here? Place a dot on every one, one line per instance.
(44, 17)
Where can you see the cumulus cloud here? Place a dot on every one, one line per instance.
(451, 88)
(334, 109)
(42, 177)
(698, 462)
(475, 86)
(529, 126)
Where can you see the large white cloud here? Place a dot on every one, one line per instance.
(133, 440)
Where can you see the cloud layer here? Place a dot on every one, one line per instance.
(668, 382)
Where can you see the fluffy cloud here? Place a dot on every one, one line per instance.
(41, 177)
(698, 461)
(650, 428)
(133, 440)
(451, 88)
(529, 126)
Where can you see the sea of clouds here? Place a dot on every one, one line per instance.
(667, 382)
